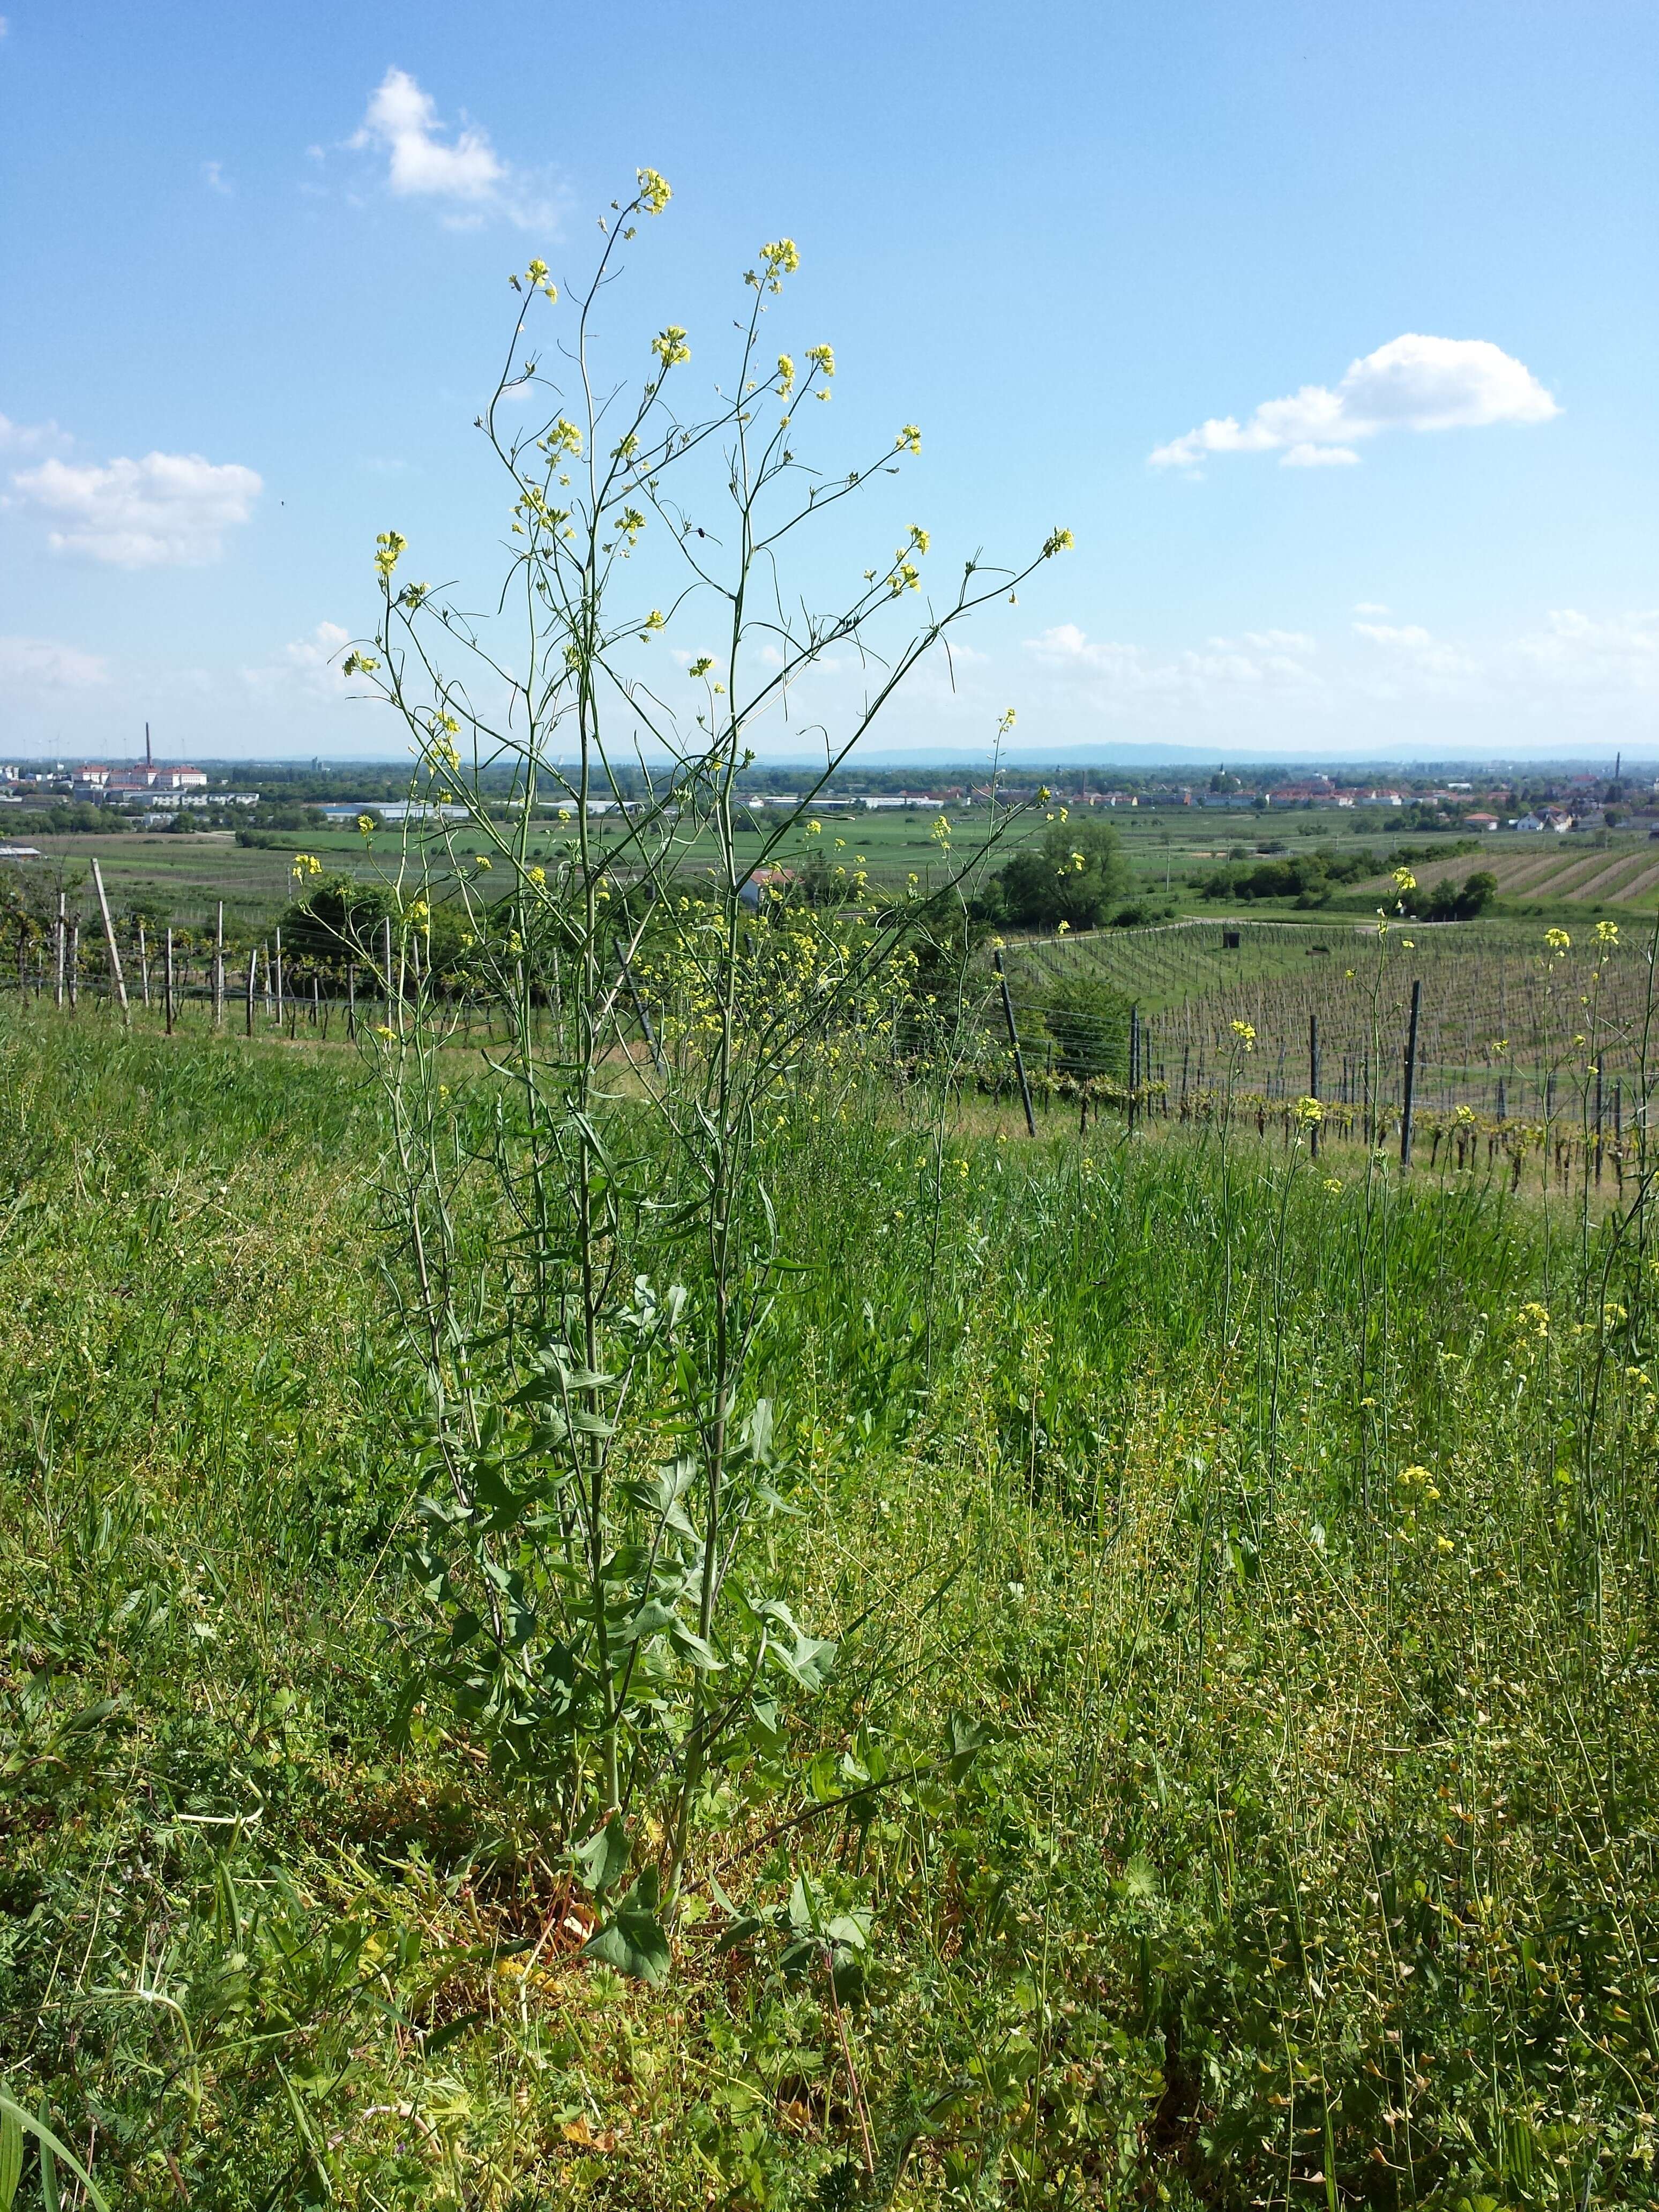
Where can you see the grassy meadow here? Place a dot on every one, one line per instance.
(1236, 1779)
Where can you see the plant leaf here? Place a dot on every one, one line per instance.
(632, 1940)
(602, 1859)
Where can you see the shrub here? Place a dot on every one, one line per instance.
(1075, 873)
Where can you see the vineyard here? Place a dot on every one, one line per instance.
(1507, 1029)
(1626, 875)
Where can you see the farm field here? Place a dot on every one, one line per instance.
(1623, 872)
(1514, 1022)
(1231, 1779)
(181, 879)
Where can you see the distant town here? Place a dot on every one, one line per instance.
(178, 797)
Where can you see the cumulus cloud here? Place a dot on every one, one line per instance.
(31, 437)
(459, 170)
(308, 665)
(39, 664)
(166, 510)
(1620, 651)
(1412, 642)
(1413, 383)
(213, 176)
(1257, 662)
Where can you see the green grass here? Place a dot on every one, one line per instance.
(1307, 1853)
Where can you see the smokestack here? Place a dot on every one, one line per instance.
(148, 763)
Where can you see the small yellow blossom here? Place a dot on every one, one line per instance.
(654, 190)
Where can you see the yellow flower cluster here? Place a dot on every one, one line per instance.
(669, 346)
(388, 547)
(655, 192)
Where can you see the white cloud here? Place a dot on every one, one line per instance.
(1370, 607)
(1319, 457)
(460, 171)
(1413, 383)
(31, 437)
(166, 510)
(1259, 662)
(1416, 645)
(213, 176)
(309, 665)
(1619, 650)
(39, 664)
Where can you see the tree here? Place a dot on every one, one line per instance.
(1074, 874)
(338, 919)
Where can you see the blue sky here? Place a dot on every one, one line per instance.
(254, 295)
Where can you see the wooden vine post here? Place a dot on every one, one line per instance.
(1013, 1045)
(117, 979)
(1411, 1076)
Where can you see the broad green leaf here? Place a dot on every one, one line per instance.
(632, 1940)
(602, 1859)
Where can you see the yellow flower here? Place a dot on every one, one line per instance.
(701, 667)
(823, 358)
(1404, 881)
(1607, 932)
(1058, 541)
(1064, 927)
(1308, 1111)
(1558, 940)
(481, 860)
(654, 190)
(366, 824)
(669, 346)
(1245, 1033)
(388, 546)
(1334, 1184)
(909, 439)
(781, 258)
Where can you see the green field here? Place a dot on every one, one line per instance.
(181, 879)
(1236, 1772)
